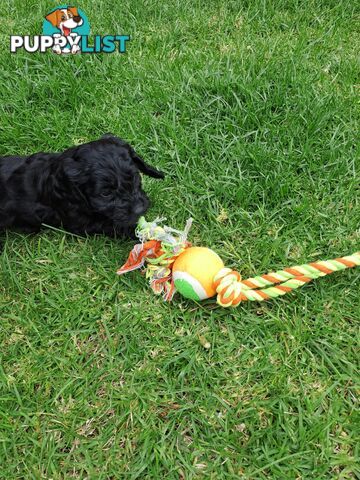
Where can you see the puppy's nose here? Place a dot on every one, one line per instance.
(141, 206)
(77, 19)
(139, 209)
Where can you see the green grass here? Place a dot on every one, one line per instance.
(252, 110)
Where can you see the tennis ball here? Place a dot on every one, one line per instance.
(194, 271)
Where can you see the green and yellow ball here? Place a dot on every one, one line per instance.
(194, 272)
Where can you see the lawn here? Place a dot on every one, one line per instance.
(251, 108)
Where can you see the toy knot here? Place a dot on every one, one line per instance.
(156, 254)
(227, 284)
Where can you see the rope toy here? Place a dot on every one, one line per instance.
(171, 264)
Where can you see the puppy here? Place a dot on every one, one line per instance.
(88, 189)
(65, 19)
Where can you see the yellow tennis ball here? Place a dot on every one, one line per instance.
(194, 271)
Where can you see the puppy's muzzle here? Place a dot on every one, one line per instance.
(141, 206)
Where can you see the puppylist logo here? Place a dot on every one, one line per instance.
(66, 29)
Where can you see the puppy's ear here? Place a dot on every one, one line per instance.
(144, 167)
(74, 11)
(53, 18)
(139, 162)
(75, 177)
(74, 171)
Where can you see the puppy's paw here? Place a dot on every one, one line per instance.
(56, 47)
(75, 49)
(57, 50)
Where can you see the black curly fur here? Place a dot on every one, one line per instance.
(88, 189)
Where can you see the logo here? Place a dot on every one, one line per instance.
(66, 30)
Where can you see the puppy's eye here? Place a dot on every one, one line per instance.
(63, 18)
(106, 193)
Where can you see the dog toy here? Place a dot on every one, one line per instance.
(171, 264)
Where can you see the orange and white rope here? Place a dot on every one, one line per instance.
(231, 289)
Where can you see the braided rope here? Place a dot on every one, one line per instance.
(231, 290)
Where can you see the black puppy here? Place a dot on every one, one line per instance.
(91, 188)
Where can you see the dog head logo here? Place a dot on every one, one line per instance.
(67, 24)
(65, 19)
